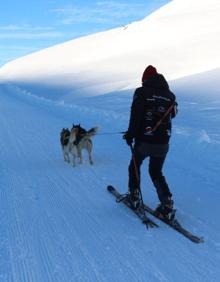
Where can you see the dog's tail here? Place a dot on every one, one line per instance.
(91, 132)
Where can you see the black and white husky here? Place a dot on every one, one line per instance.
(74, 141)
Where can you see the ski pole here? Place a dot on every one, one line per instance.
(146, 221)
(136, 172)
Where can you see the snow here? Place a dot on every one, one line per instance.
(58, 223)
(181, 39)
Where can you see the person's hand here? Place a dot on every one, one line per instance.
(128, 138)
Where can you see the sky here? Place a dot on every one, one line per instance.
(28, 26)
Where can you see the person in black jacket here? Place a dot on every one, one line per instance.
(153, 107)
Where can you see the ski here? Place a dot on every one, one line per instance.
(176, 226)
(140, 212)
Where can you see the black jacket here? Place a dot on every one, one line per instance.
(150, 103)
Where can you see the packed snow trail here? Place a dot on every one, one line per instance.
(58, 223)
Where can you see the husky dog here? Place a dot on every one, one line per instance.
(83, 141)
(74, 141)
(64, 140)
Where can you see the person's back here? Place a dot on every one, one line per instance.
(150, 103)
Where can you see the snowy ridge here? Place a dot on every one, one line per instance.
(180, 39)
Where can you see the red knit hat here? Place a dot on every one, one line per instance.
(149, 71)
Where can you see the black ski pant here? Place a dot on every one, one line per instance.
(157, 155)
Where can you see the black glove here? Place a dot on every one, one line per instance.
(128, 138)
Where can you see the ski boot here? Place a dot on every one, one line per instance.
(134, 199)
(165, 210)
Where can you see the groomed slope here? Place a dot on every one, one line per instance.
(58, 223)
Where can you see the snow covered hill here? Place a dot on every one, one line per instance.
(58, 223)
(180, 39)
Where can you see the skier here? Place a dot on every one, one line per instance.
(152, 109)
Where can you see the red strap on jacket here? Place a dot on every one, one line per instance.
(164, 116)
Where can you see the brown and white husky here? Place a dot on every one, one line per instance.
(75, 140)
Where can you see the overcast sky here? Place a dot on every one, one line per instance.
(27, 26)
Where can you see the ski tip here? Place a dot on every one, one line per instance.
(197, 240)
(110, 188)
(201, 240)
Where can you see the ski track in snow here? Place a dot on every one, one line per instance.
(58, 223)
